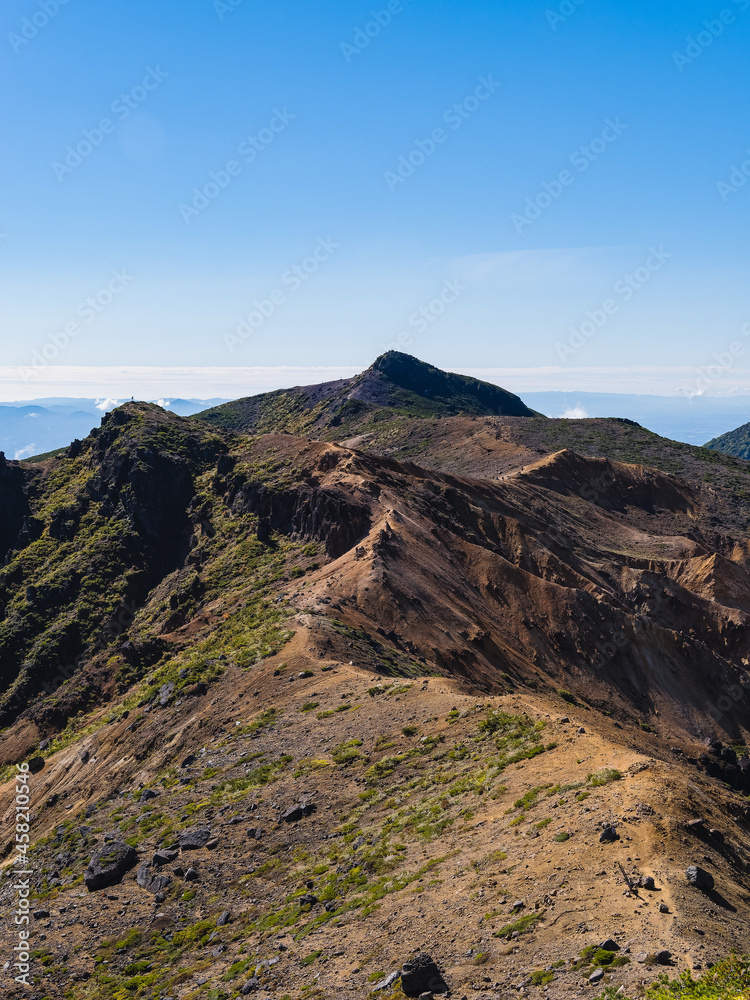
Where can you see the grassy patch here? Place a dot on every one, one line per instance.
(520, 926)
(604, 777)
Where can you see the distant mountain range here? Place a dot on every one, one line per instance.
(35, 427)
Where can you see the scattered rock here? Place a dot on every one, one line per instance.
(36, 764)
(165, 693)
(40, 914)
(250, 986)
(164, 857)
(84, 755)
(254, 833)
(609, 945)
(190, 759)
(224, 918)
(608, 835)
(596, 976)
(663, 957)
(148, 793)
(647, 882)
(309, 898)
(148, 880)
(298, 812)
(389, 979)
(108, 865)
(421, 975)
(701, 879)
(641, 957)
(194, 839)
(663, 908)
(191, 875)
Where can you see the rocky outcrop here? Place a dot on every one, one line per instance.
(326, 514)
(108, 865)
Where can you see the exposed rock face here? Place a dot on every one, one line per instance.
(327, 514)
(109, 864)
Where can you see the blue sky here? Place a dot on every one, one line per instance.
(117, 115)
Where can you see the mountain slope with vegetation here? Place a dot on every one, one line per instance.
(431, 680)
(736, 442)
(394, 384)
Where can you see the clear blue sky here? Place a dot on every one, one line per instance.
(221, 73)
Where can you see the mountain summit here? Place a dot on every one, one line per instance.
(395, 382)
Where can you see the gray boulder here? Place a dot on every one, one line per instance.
(147, 879)
(701, 879)
(193, 840)
(421, 975)
(108, 865)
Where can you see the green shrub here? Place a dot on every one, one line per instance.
(523, 924)
(541, 977)
(604, 777)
